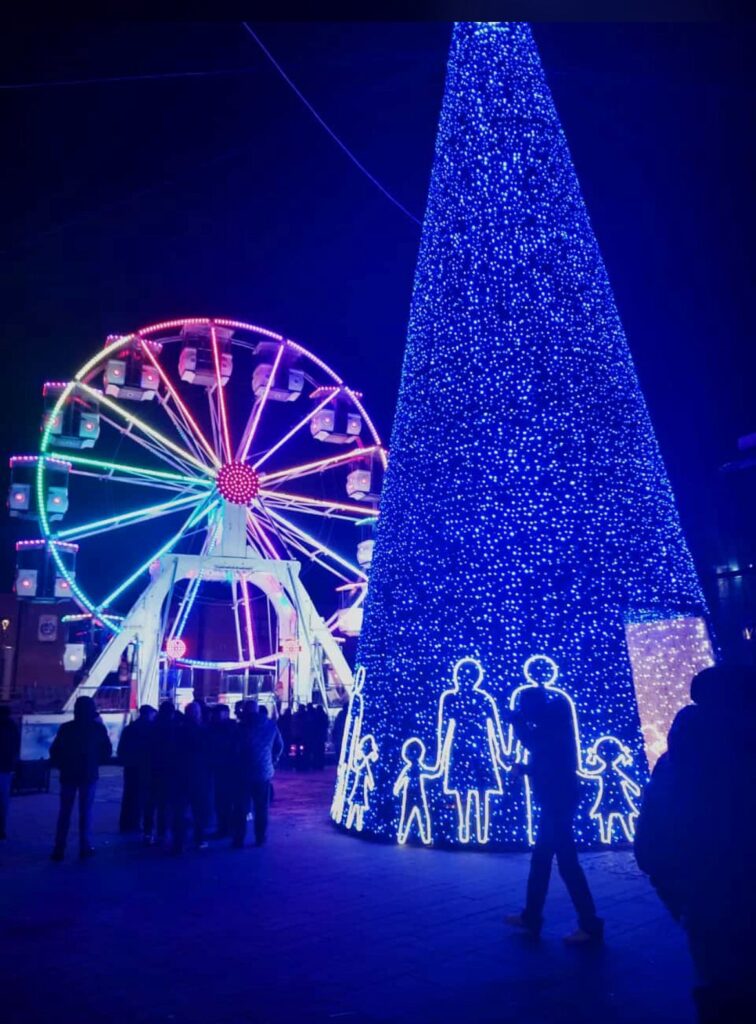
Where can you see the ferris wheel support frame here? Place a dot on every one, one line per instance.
(144, 626)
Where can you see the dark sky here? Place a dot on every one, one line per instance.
(135, 201)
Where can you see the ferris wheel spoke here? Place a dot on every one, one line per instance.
(194, 518)
(121, 472)
(137, 515)
(280, 476)
(225, 435)
(257, 410)
(290, 539)
(294, 430)
(259, 537)
(190, 423)
(317, 506)
(190, 594)
(134, 422)
(317, 546)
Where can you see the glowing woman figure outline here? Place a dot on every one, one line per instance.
(471, 749)
(520, 754)
(349, 744)
(364, 783)
(410, 785)
(615, 788)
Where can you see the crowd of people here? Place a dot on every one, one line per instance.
(196, 775)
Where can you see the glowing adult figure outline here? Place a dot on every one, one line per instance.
(364, 782)
(349, 742)
(615, 788)
(520, 752)
(410, 784)
(467, 726)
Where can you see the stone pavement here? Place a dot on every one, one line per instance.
(313, 927)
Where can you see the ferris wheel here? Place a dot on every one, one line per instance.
(198, 479)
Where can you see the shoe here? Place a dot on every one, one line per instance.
(57, 855)
(86, 852)
(203, 845)
(148, 839)
(237, 845)
(519, 921)
(580, 937)
(260, 842)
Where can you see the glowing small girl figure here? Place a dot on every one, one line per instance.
(359, 797)
(604, 761)
(411, 787)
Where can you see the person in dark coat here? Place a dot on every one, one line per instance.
(161, 759)
(337, 735)
(133, 754)
(285, 728)
(544, 725)
(78, 750)
(10, 745)
(319, 736)
(259, 746)
(191, 778)
(222, 737)
(696, 834)
(299, 731)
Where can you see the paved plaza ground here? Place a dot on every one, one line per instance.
(313, 927)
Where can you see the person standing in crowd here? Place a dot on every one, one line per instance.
(161, 760)
(339, 725)
(133, 754)
(10, 745)
(299, 738)
(285, 728)
(696, 834)
(544, 725)
(319, 736)
(221, 738)
(191, 779)
(78, 750)
(259, 746)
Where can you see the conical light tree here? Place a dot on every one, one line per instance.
(527, 523)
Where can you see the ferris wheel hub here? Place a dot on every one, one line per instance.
(238, 483)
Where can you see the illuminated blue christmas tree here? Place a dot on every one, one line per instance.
(527, 521)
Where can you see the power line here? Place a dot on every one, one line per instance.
(322, 123)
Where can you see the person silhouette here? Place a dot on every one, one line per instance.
(471, 748)
(364, 782)
(544, 721)
(614, 801)
(349, 744)
(410, 785)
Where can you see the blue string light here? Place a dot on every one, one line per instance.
(527, 523)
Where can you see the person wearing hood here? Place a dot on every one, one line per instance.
(78, 750)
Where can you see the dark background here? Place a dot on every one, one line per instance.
(129, 202)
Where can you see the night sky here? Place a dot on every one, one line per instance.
(130, 202)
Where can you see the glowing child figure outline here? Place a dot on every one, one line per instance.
(615, 787)
(364, 783)
(349, 744)
(468, 725)
(520, 754)
(410, 785)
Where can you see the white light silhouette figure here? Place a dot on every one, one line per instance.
(349, 744)
(471, 748)
(520, 752)
(410, 785)
(614, 802)
(364, 783)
